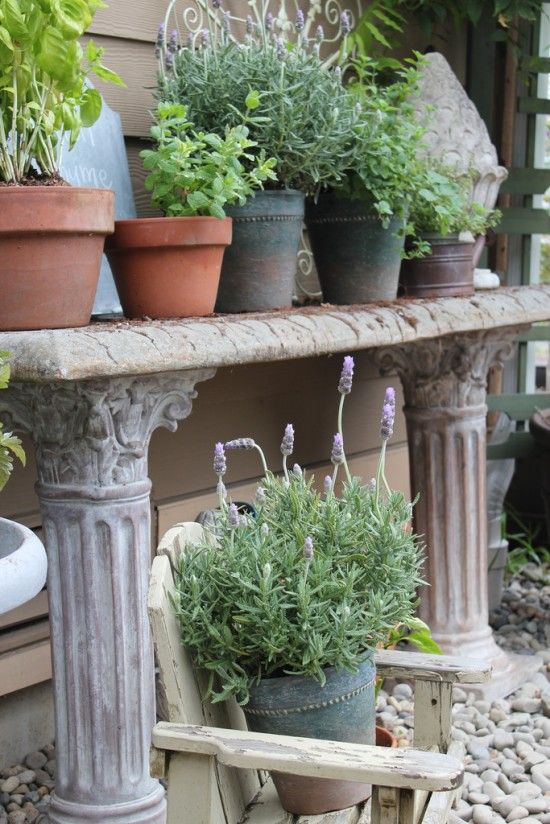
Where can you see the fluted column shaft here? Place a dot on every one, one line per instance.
(91, 443)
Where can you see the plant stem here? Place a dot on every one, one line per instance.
(340, 432)
(262, 457)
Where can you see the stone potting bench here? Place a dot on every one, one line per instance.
(91, 399)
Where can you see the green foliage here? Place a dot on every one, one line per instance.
(193, 173)
(43, 88)
(10, 445)
(303, 117)
(526, 549)
(417, 633)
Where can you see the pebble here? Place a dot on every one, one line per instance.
(510, 767)
(10, 784)
(36, 760)
(478, 798)
(517, 813)
(502, 740)
(482, 814)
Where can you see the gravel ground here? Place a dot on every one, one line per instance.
(507, 742)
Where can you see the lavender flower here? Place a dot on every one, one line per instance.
(205, 37)
(319, 35)
(308, 548)
(337, 455)
(388, 414)
(233, 516)
(160, 35)
(249, 24)
(372, 485)
(216, 3)
(241, 443)
(280, 48)
(327, 484)
(225, 21)
(345, 23)
(297, 470)
(220, 465)
(338, 73)
(346, 377)
(264, 530)
(189, 40)
(268, 21)
(260, 494)
(300, 22)
(168, 60)
(287, 444)
(173, 42)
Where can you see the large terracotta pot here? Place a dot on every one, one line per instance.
(168, 267)
(259, 268)
(51, 243)
(341, 710)
(448, 271)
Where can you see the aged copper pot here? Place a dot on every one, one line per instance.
(447, 272)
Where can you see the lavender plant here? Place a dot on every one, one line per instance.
(310, 581)
(303, 116)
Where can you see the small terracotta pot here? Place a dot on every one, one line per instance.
(51, 243)
(384, 738)
(448, 271)
(168, 267)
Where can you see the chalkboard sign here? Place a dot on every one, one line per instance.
(99, 160)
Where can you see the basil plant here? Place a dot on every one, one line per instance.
(44, 88)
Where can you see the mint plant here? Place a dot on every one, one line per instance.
(10, 445)
(310, 581)
(195, 173)
(44, 93)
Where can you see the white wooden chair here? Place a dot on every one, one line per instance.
(213, 766)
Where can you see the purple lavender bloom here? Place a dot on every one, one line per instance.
(260, 494)
(338, 73)
(268, 21)
(345, 23)
(160, 35)
(205, 37)
(280, 48)
(346, 377)
(249, 24)
(220, 465)
(337, 455)
(226, 21)
(308, 548)
(388, 414)
(319, 35)
(173, 42)
(297, 470)
(168, 60)
(189, 40)
(327, 484)
(287, 444)
(300, 22)
(241, 443)
(233, 516)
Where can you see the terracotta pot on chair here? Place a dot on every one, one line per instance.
(51, 243)
(168, 267)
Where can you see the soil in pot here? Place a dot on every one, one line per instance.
(342, 710)
(51, 244)
(357, 259)
(168, 267)
(448, 271)
(259, 268)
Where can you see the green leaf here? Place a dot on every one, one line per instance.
(90, 107)
(5, 38)
(72, 17)
(198, 201)
(108, 75)
(252, 100)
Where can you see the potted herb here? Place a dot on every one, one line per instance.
(300, 115)
(22, 557)
(170, 266)
(447, 223)
(357, 227)
(52, 235)
(284, 607)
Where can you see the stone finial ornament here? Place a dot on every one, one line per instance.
(456, 133)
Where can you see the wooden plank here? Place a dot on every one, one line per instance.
(517, 406)
(401, 767)
(520, 221)
(191, 781)
(140, 21)
(534, 105)
(31, 611)
(22, 636)
(25, 667)
(452, 669)
(385, 805)
(135, 63)
(518, 445)
(432, 714)
(266, 808)
(526, 182)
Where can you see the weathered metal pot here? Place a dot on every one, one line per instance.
(342, 710)
(23, 565)
(447, 272)
(357, 259)
(259, 268)
(539, 426)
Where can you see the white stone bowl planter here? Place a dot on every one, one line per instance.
(23, 565)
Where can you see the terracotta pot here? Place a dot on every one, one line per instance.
(51, 243)
(384, 738)
(447, 272)
(168, 267)
(342, 710)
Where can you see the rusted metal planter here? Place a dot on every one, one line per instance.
(259, 268)
(447, 272)
(342, 710)
(357, 259)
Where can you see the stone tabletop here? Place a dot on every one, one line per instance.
(144, 347)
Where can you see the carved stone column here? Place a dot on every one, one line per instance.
(444, 382)
(91, 442)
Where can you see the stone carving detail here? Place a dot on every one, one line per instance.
(456, 134)
(450, 371)
(97, 432)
